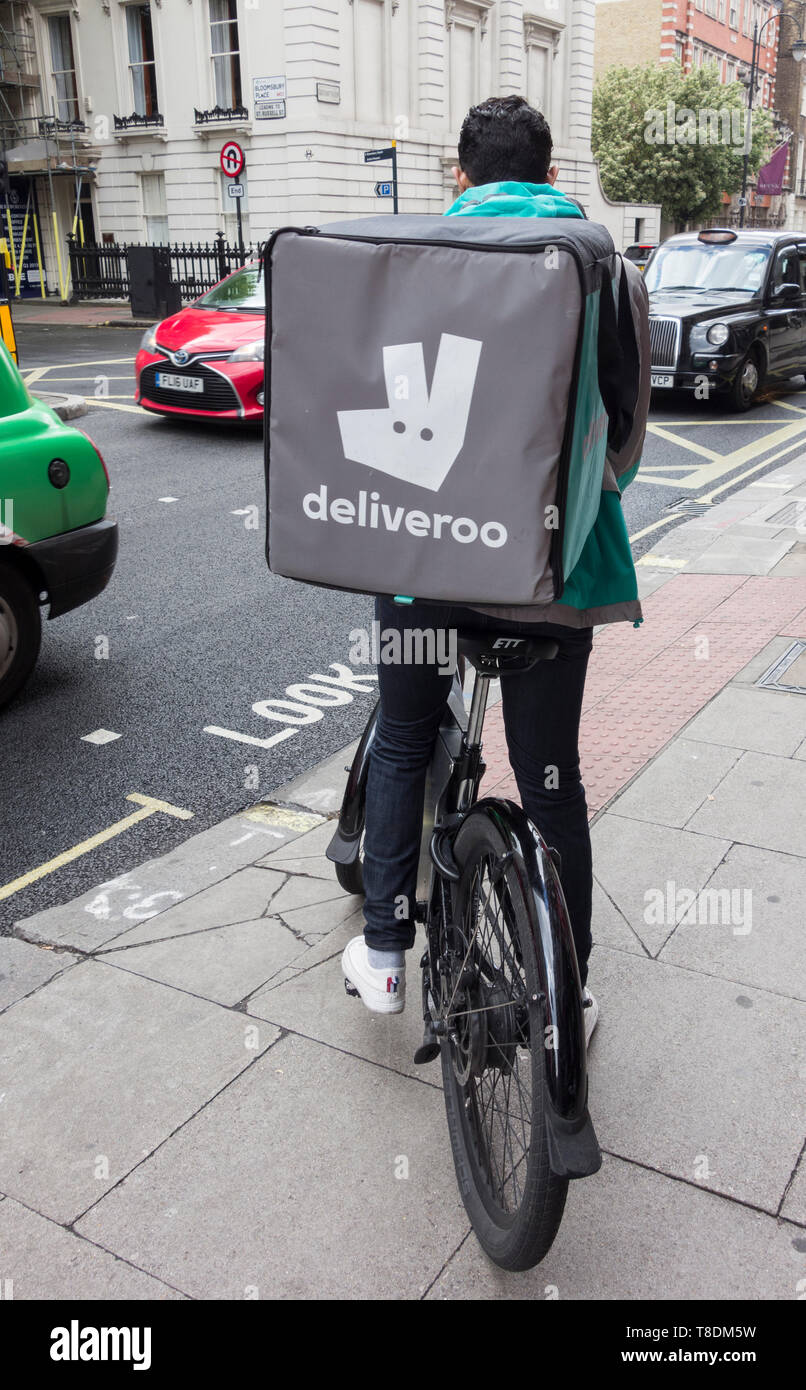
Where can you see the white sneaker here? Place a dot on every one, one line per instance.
(591, 1013)
(383, 991)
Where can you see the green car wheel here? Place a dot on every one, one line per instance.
(20, 631)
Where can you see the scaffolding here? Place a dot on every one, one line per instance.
(19, 80)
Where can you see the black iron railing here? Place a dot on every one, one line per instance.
(220, 113)
(101, 272)
(134, 121)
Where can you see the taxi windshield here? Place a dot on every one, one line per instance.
(243, 291)
(698, 266)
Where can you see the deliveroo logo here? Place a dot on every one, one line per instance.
(419, 435)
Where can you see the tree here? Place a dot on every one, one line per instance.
(663, 136)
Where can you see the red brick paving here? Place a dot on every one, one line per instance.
(645, 684)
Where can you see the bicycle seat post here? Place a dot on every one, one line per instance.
(478, 709)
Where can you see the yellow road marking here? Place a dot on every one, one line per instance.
(661, 562)
(28, 377)
(111, 405)
(278, 815)
(148, 806)
(101, 362)
(654, 527)
(664, 432)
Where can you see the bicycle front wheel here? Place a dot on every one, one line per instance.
(493, 1057)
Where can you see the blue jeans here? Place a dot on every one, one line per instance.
(542, 709)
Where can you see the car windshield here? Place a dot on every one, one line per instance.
(698, 266)
(243, 292)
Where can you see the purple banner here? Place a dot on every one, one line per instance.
(771, 176)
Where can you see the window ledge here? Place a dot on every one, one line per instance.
(142, 132)
(237, 124)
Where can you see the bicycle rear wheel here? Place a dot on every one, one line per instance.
(493, 1059)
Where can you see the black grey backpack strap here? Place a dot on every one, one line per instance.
(619, 371)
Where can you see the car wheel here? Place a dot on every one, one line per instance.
(746, 383)
(20, 631)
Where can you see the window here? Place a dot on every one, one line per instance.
(225, 51)
(141, 60)
(787, 271)
(734, 14)
(155, 209)
(679, 49)
(63, 66)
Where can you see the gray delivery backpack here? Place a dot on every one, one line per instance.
(440, 395)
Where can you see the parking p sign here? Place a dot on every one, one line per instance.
(232, 159)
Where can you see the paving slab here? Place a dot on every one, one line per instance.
(98, 1069)
(45, 1261)
(697, 1076)
(794, 1208)
(676, 783)
(761, 663)
(762, 801)
(632, 1234)
(23, 968)
(156, 886)
(301, 1154)
(224, 964)
(733, 554)
(754, 933)
(767, 721)
(306, 855)
(242, 897)
(609, 926)
(794, 563)
(635, 862)
(315, 1004)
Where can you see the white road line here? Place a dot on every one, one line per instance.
(100, 736)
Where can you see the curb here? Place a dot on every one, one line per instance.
(66, 407)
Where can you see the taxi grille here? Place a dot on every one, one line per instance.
(218, 394)
(664, 339)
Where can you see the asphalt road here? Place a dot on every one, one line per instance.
(198, 630)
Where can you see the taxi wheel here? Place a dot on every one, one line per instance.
(20, 631)
(746, 383)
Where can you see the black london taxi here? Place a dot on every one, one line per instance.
(727, 312)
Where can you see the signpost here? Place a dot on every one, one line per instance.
(371, 157)
(233, 163)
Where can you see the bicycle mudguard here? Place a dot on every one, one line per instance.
(573, 1147)
(344, 847)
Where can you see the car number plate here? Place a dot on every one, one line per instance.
(172, 382)
(660, 379)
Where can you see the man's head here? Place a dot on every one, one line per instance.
(504, 139)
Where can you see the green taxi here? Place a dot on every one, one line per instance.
(57, 546)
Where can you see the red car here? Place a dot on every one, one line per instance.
(207, 360)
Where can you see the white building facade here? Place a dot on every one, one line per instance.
(142, 97)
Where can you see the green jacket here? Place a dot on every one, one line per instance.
(602, 587)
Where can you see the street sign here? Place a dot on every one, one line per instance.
(232, 159)
(235, 190)
(269, 110)
(370, 155)
(383, 190)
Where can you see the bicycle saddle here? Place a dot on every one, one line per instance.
(493, 654)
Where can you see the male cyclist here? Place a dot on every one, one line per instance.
(504, 170)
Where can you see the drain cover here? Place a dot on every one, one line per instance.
(789, 671)
(689, 504)
(788, 515)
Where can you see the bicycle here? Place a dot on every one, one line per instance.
(501, 992)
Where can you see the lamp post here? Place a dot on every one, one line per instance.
(797, 51)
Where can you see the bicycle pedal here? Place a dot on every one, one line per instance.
(350, 989)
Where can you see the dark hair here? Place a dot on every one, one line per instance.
(505, 138)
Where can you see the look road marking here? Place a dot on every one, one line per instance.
(149, 805)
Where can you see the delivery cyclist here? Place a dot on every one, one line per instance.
(504, 170)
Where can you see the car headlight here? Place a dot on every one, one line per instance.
(250, 352)
(148, 342)
(718, 334)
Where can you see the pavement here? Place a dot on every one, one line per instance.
(98, 313)
(194, 1109)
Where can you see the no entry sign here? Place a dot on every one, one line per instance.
(232, 159)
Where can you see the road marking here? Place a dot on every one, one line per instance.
(100, 736)
(149, 805)
(112, 405)
(664, 562)
(654, 527)
(664, 433)
(167, 499)
(721, 464)
(267, 814)
(250, 738)
(38, 372)
(101, 362)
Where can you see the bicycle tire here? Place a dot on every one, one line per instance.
(516, 1236)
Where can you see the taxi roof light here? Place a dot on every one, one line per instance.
(717, 236)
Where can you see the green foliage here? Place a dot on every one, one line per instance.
(634, 127)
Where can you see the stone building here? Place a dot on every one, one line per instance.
(119, 110)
